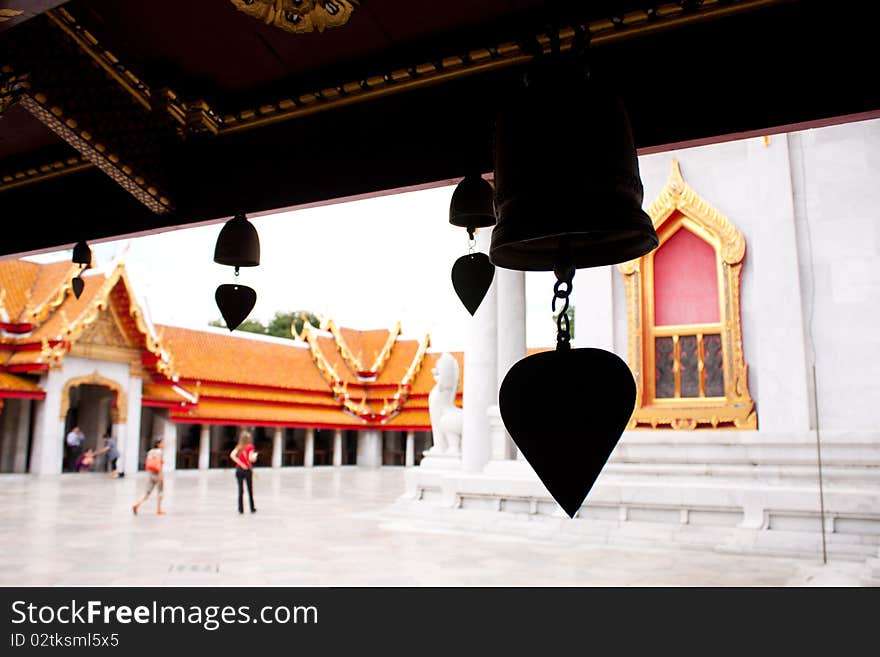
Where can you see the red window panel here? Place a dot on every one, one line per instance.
(685, 281)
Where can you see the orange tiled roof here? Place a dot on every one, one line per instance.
(164, 394)
(339, 378)
(60, 318)
(9, 383)
(244, 413)
(29, 291)
(425, 379)
(238, 360)
(263, 395)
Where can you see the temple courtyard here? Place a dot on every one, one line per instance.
(320, 527)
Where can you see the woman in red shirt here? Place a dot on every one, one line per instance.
(244, 456)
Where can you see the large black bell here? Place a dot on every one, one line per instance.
(566, 172)
(238, 244)
(472, 203)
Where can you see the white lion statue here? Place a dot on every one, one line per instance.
(446, 417)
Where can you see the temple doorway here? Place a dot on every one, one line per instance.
(92, 409)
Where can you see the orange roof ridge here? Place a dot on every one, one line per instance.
(36, 311)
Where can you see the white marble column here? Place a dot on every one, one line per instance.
(47, 448)
(169, 452)
(205, 447)
(410, 449)
(129, 436)
(309, 449)
(511, 337)
(480, 374)
(369, 449)
(337, 447)
(277, 447)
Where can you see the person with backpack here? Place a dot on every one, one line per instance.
(244, 455)
(153, 466)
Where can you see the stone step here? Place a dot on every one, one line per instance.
(770, 474)
(704, 451)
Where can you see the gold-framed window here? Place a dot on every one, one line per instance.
(684, 320)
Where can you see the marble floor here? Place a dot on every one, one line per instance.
(318, 527)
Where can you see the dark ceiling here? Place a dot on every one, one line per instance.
(124, 117)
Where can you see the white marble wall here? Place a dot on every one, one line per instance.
(837, 201)
(809, 208)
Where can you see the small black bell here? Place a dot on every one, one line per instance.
(82, 254)
(238, 244)
(472, 203)
(472, 207)
(566, 172)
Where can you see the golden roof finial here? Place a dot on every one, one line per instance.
(675, 183)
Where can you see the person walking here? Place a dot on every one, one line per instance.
(153, 467)
(74, 441)
(112, 454)
(244, 456)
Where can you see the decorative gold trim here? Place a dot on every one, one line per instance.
(96, 379)
(736, 408)
(95, 152)
(194, 117)
(340, 389)
(198, 117)
(299, 16)
(356, 363)
(44, 172)
(12, 87)
(383, 356)
(90, 45)
(602, 32)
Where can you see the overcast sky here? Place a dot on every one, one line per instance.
(366, 264)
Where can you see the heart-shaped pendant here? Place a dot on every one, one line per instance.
(235, 303)
(472, 276)
(566, 410)
(78, 285)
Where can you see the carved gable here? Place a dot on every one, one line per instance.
(105, 332)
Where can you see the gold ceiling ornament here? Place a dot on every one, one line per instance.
(299, 16)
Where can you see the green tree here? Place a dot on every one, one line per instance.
(280, 324)
(249, 325)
